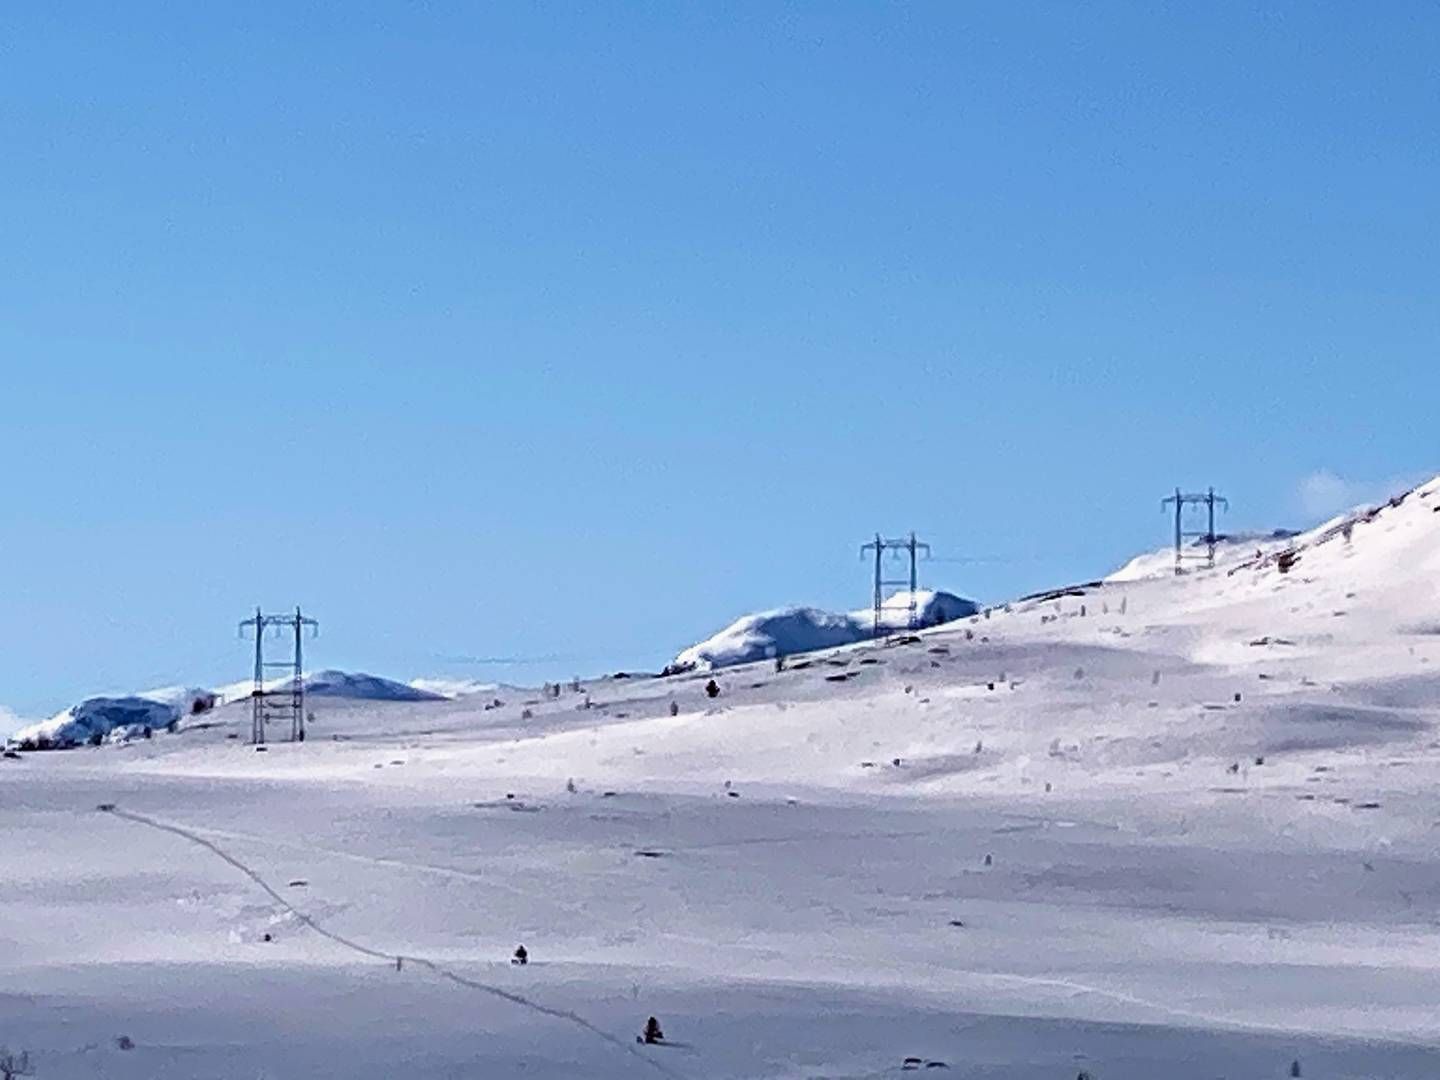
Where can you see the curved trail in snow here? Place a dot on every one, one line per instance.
(1074, 987)
(365, 950)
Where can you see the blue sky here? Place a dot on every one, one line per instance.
(569, 332)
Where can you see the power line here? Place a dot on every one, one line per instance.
(1183, 499)
(879, 546)
(287, 701)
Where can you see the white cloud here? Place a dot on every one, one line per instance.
(1324, 493)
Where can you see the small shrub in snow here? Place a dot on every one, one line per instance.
(13, 1065)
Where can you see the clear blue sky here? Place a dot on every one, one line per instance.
(576, 330)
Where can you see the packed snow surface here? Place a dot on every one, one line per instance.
(1175, 827)
(788, 631)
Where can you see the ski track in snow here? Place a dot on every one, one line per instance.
(378, 954)
(995, 978)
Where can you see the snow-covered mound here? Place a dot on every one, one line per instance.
(115, 719)
(361, 686)
(334, 683)
(787, 631)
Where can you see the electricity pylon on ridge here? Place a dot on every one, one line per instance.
(879, 546)
(287, 700)
(1209, 500)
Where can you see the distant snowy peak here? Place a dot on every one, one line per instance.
(357, 685)
(787, 631)
(360, 686)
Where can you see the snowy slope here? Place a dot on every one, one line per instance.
(1229, 549)
(1162, 827)
(789, 631)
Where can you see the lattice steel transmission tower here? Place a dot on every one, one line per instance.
(1209, 500)
(879, 546)
(285, 704)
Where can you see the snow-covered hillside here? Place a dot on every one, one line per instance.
(115, 719)
(1229, 549)
(794, 630)
(1180, 827)
(124, 717)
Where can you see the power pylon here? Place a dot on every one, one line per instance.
(1209, 500)
(879, 546)
(287, 701)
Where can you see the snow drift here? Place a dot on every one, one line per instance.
(787, 631)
